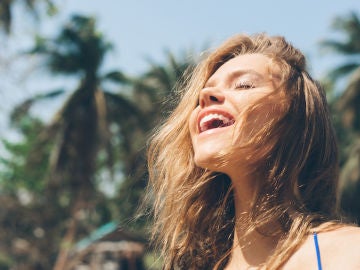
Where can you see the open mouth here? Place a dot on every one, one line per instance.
(215, 120)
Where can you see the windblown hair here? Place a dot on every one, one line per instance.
(194, 208)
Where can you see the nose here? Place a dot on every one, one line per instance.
(210, 96)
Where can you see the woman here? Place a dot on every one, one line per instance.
(244, 171)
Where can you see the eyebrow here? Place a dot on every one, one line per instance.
(234, 74)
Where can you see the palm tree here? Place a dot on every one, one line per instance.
(347, 105)
(82, 130)
(350, 49)
(96, 128)
(153, 90)
(7, 6)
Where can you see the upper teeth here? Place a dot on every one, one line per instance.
(211, 117)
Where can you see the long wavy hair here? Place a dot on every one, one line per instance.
(194, 207)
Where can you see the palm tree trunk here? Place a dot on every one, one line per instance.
(66, 243)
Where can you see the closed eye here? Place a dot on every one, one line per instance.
(244, 85)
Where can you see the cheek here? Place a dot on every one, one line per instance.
(193, 123)
(263, 115)
(257, 121)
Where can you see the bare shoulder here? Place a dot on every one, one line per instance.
(346, 231)
(340, 248)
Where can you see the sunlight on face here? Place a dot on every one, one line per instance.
(240, 83)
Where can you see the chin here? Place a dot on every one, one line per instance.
(213, 161)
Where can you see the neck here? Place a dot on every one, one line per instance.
(250, 248)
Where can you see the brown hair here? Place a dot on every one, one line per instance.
(194, 211)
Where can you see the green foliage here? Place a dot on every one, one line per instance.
(23, 194)
(21, 170)
(349, 26)
(346, 110)
(34, 7)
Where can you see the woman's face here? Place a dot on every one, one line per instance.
(238, 84)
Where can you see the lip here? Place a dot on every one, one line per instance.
(206, 112)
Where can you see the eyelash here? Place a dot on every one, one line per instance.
(244, 85)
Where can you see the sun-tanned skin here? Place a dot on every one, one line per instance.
(239, 83)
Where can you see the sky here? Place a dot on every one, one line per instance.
(145, 29)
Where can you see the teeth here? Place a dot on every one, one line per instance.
(214, 117)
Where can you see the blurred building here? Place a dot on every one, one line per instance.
(109, 248)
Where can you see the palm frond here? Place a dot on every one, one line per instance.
(350, 26)
(23, 108)
(348, 103)
(6, 15)
(116, 77)
(342, 47)
(122, 106)
(343, 70)
(33, 7)
(77, 48)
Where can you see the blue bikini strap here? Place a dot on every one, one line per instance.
(317, 251)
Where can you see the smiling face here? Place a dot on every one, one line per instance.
(222, 119)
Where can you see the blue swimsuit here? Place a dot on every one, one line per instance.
(317, 249)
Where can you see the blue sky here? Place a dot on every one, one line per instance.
(143, 29)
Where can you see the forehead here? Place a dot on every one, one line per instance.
(255, 64)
